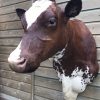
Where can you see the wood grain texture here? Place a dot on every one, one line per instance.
(86, 4)
(12, 8)
(15, 84)
(15, 93)
(10, 2)
(15, 76)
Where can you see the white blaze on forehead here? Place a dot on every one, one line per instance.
(37, 8)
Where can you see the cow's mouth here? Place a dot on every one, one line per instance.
(22, 65)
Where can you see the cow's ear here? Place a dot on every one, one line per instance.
(20, 12)
(73, 8)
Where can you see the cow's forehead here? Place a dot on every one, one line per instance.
(35, 10)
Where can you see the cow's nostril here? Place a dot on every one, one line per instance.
(18, 65)
(21, 61)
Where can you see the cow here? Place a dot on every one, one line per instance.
(50, 31)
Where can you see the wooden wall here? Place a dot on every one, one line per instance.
(13, 86)
(44, 83)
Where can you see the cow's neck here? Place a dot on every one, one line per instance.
(61, 57)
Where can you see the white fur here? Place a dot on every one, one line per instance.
(69, 94)
(37, 8)
(15, 55)
(75, 84)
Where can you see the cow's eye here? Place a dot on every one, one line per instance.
(52, 22)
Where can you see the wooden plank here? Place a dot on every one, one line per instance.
(4, 66)
(46, 72)
(7, 97)
(15, 84)
(99, 66)
(48, 83)
(91, 4)
(15, 93)
(10, 2)
(9, 17)
(6, 49)
(10, 25)
(3, 58)
(11, 8)
(92, 92)
(56, 95)
(89, 16)
(86, 4)
(94, 28)
(11, 33)
(26, 78)
(40, 98)
(48, 93)
(83, 98)
(96, 81)
(98, 54)
(47, 63)
(9, 41)
(97, 39)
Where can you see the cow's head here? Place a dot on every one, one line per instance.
(44, 26)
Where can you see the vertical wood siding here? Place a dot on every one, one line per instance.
(15, 86)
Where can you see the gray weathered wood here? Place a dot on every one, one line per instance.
(4, 66)
(16, 84)
(87, 4)
(92, 92)
(94, 27)
(7, 97)
(10, 25)
(48, 83)
(40, 98)
(15, 76)
(46, 72)
(83, 98)
(89, 16)
(11, 33)
(3, 58)
(6, 49)
(11, 8)
(9, 17)
(9, 41)
(10, 2)
(47, 63)
(15, 93)
(48, 93)
(97, 39)
(91, 4)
